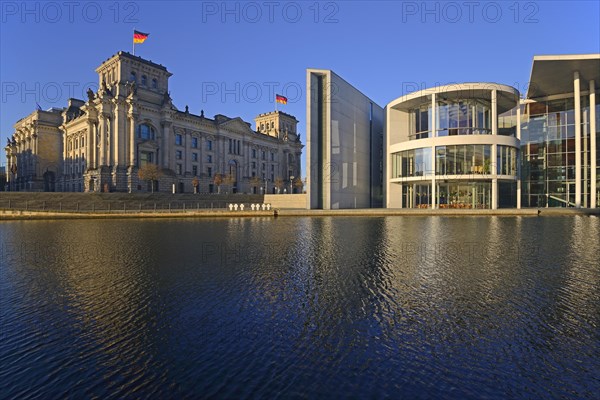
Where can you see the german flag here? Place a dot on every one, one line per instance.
(139, 37)
(280, 99)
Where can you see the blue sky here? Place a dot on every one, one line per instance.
(227, 57)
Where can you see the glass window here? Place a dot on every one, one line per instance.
(194, 170)
(409, 163)
(209, 171)
(209, 158)
(253, 153)
(194, 156)
(178, 140)
(179, 154)
(144, 80)
(145, 132)
(194, 142)
(133, 76)
(154, 83)
(209, 145)
(179, 169)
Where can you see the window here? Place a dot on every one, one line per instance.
(272, 168)
(253, 164)
(209, 158)
(209, 171)
(195, 142)
(253, 153)
(263, 166)
(194, 156)
(238, 147)
(154, 84)
(272, 125)
(144, 80)
(262, 127)
(178, 140)
(145, 132)
(194, 170)
(179, 154)
(146, 158)
(272, 156)
(133, 76)
(209, 145)
(262, 155)
(179, 169)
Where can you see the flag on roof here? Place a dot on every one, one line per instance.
(139, 37)
(280, 99)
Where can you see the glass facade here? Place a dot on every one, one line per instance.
(464, 159)
(506, 161)
(548, 153)
(409, 163)
(464, 117)
(453, 117)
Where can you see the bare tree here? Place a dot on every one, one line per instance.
(150, 173)
(255, 181)
(195, 184)
(229, 179)
(278, 183)
(298, 184)
(218, 180)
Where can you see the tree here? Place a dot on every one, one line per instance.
(218, 180)
(150, 173)
(278, 183)
(195, 184)
(255, 181)
(298, 184)
(229, 179)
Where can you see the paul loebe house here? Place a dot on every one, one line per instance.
(470, 145)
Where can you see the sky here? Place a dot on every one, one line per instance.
(232, 57)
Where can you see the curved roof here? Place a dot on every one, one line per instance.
(507, 96)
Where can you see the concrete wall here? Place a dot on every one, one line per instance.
(286, 200)
(344, 153)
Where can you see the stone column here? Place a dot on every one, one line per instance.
(577, 94)
(518, 156)
(166, 144)
(132, 161)
(593, 154)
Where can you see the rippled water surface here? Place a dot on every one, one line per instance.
(400, 307)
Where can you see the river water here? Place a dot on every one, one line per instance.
(397, 307)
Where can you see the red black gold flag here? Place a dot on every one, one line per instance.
(139, 37)
(280, 99)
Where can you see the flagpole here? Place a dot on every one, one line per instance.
(133, 40)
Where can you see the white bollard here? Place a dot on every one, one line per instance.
(263, 206)
(241, 207)
(230, 207)
(252, 206)
(269, 207)
(235, 207)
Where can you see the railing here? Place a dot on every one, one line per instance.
(112, 206)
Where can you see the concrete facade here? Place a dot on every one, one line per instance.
(131, 121)
(344, 144)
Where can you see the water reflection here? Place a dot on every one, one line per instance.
(353, 307)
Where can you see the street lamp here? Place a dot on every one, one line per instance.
(292, 184)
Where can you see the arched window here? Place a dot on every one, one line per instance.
(144, 80)
(154, 83)
(145, 132)
(133, 76)
(272, 124)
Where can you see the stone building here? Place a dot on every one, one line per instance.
(101, 143)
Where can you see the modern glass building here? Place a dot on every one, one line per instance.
(470, 145)
(560, 130)
(446, 148)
